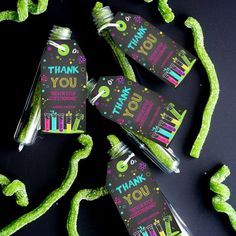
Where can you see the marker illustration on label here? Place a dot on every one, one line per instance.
(63, 89)
(151, 48)
(138, 109)
(138, 199)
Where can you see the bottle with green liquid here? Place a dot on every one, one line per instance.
(136, 113)
(56, 91)
(30, 121)
(137, 196)
(145, 44)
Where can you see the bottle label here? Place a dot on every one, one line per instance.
(138, 198)
(63, 89)
(138, 109)
(151, 48)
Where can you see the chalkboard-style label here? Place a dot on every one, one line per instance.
(151, 48)
(138, 198)
(63, 88)
(137, 108)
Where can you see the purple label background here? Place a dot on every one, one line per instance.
(151, 48)
(63, 110)
(153, 116)
(147, 213)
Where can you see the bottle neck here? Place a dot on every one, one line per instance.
(60, 33)
(90, 86)
(118, 150)
(102, 16)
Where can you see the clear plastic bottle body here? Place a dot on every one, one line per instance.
(90, 86)
(30, 121)
(121, 149)
(168, 162)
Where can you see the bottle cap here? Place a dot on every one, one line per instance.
(103, 18)
(118, 150)
(90, 86)
(59, 32)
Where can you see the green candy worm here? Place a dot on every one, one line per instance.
(54, 196)
(16, 188)
(84, 194)
(24, 7)
(123, 61)
(88, 194)
(165, 10)
(214, 85)
(222, 194)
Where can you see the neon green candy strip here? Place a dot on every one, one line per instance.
(222, 194)
(16, 188)
(24, 7)
(53, 197)
(85, 194)
(214, 85)
(165, 10)
(123, 61)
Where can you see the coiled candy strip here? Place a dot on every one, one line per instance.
(84, 194)
(88, 195)
(24, 7)
(16, 188)
(222, 194)
(54, 196)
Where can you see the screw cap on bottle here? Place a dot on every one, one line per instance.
(59, 32)
(103, 17)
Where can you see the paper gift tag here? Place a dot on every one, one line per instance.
(63, 89)
(151, 48)
(138, 109)
(138, 198)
